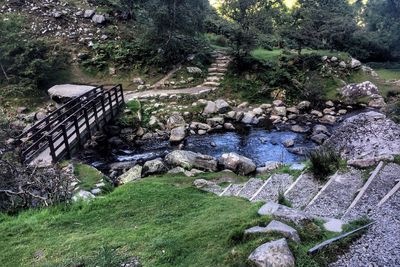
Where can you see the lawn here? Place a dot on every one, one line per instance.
(162, 220)
(273, 55)
(388, 74)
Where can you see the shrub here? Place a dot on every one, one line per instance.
(27, 64)
(324, 161)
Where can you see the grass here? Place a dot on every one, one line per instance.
(273, 55)
(162, 220)
(388, 74)
(384, 88)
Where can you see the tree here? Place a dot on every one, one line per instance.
(321, 24)
(382, 19)
(250, 19)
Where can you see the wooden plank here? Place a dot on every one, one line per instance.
(388, 195)
(332, 240)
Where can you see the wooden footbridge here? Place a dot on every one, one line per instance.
(66, 129)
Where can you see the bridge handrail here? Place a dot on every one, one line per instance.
(47, 119)
(60, 130)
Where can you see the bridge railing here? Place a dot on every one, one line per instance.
(74, 127)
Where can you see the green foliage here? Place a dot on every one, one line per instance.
(324, 161)
(26, 64)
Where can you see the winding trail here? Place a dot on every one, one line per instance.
(216, 73)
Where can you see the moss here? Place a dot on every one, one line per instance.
(89, 177)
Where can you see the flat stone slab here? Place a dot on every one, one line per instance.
(276, 227)
(285, 213)
(64, 92)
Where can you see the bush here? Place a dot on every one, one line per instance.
(27, 64)
(324, 161)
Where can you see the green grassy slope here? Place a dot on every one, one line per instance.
(162, 220)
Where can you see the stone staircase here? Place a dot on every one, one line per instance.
(217, 70)
(343, 198)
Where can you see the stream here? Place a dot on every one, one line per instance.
(258, 144)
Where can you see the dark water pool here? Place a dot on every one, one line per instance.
(260, 145)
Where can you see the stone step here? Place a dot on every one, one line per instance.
(270, 190)
(378, 184)
(250, 188)
(219, 65)
(303, 190)
(220, 74)
(213, 79)
(219, 70)
(232, 190)
(211, 84)
(336, 196)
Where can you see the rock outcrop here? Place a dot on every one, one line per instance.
(237, 163)
(189, 160)
(274, 253)
(366, 138)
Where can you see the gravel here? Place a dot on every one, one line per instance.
(380, 246)
(337, 195)
(379, 187)
(302, 191)
(277, 183)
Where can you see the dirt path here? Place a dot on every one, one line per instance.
(169, 75)
(159, 92)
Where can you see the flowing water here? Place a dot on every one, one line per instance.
(258, 144)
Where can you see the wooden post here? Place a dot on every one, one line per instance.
(111, 105)
(104, 109)
(51, 146)
(77, 131)
(66, 142)
(122, 93)
(96, 118)
(87, 123)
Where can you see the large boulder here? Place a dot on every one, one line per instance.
(237, 163)
(155, 166)
(273, 254)
(65, 92)
(189, 160)
(210, 108)
(99, 19)
(175, 120)
(355, 64)
(133, 174)
(177, 134)
(366, 138)
(359, 92)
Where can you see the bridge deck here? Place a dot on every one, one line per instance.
(64, 137)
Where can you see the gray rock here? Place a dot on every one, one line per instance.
(189, 160)
(177, 134)
(304, 105)
(285, 213)
(279, 111)
(319, 138)
(300, 129)
(353, 92)
(250, 118)
(222, 106)
(83, 195)
(366, 138)
(320, 129)
(207, 186)
(175, 120)
(65, 92)
(268, 167)
(210, 108)
(176, 170)
(99, 19)
(288, 142)
(214, 122)
(355, 64)
(89, 13)
(155, 166)
(328, 119)
(237, 163)
(133, 174)
(273, 254)
(194, 70)
(285, 230)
